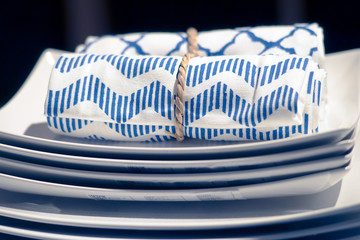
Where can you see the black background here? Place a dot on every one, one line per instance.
(29, 27)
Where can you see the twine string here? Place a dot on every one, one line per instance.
(193, 51)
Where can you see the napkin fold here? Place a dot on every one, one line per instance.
(299, 39)
(119, 97)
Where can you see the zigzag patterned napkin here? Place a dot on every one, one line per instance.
(299, 39)
(120, 97)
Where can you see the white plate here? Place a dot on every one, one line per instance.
(22, 122)
(164, 216)
(188, 149)
(342, 198)
(169, 181)
(344, 227)
(306, 184)
(172, 165)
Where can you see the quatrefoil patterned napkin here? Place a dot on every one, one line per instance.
(247, 97)
(299, 39)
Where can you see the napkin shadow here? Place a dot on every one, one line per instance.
(40, 130)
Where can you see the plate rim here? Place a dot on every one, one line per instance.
(167, 224)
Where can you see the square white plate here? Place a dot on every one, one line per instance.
(119, 165)
(342, 198)
(149, 181)
(22, 122)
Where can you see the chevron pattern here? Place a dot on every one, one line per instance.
(196, 74)
(119, 108)
(130, 67)
(122, 108)
(239, 110)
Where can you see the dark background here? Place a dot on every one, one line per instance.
(29, 27)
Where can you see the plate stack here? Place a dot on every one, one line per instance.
(57, 187)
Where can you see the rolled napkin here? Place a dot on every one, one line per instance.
(299, 39)
(250, 97)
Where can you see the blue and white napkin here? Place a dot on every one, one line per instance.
(299, 39)
(119, 97)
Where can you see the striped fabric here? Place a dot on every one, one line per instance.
(119, 97)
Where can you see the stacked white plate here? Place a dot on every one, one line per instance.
(58, 187)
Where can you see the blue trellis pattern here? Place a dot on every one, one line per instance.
(299, 39)
(267, 44)
(122, 112)
(124, 45)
